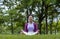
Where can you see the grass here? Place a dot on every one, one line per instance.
(20, 36)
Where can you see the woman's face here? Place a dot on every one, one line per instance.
(30, 18)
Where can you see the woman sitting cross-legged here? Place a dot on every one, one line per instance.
(30, 28)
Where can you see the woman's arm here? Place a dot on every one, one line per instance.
(25, 27)
(36, 27)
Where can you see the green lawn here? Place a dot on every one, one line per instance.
(29, 37)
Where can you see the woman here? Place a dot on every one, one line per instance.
(30, 28)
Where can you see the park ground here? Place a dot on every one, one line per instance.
(20, 36)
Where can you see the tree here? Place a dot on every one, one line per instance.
(43, 10)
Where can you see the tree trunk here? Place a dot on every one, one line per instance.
(40, 16)
(51, 24)
(12, 31)
(40, 25)
(27, 15)
(46, 14)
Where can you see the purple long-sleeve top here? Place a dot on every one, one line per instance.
(35, 27)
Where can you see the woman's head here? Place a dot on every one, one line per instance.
(30, 18)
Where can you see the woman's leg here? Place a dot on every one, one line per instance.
(37, 32)
(23, 32)
(29, 33)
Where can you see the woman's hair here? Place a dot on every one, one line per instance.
(30, 15)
